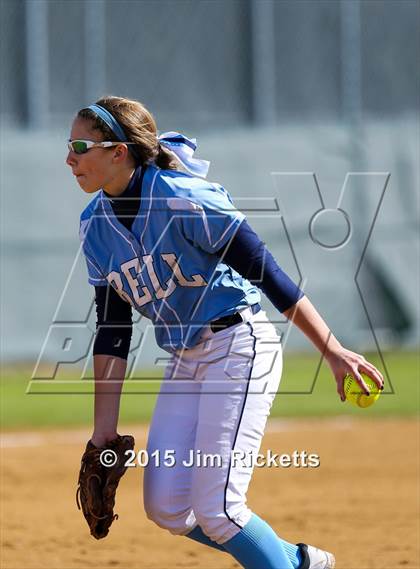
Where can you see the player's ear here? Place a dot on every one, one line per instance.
(120, 153)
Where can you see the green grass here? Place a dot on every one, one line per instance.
(399, 398)
(58, 403)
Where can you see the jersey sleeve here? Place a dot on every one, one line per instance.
(248, 255)
(95, 276)
(208, 217)
(113, 324)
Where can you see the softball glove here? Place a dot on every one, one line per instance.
(98, 484)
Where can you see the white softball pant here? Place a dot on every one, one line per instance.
(214, 400)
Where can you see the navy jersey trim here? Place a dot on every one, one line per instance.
(113, 323)
(127, 206)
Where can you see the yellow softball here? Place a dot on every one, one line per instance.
(354, 393)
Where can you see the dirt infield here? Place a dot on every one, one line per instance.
(361, 503)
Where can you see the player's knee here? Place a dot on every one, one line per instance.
(154, 502)
(155, 511)
(165, 516)
(157, 514)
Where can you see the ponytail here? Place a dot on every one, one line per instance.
(139, 127)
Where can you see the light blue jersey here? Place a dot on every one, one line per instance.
(166, 266)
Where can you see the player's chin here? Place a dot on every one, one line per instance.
(85, 186)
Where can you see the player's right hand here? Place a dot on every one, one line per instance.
(343, 362)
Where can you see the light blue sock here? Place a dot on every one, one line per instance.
(257, 546)
(197, 534)
(293, 553)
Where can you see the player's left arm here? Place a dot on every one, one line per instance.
(341, 361)
(248, 255)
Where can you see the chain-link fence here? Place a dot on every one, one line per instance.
(276, 91)
(209, 63)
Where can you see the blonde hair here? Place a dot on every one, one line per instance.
(139, 126)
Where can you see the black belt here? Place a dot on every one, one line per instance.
(231, 320)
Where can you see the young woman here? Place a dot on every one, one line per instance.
(172, 246)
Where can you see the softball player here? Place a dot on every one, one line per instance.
(172, 246)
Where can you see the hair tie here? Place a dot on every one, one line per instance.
(183, 149)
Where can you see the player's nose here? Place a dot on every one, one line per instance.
(71, 159)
